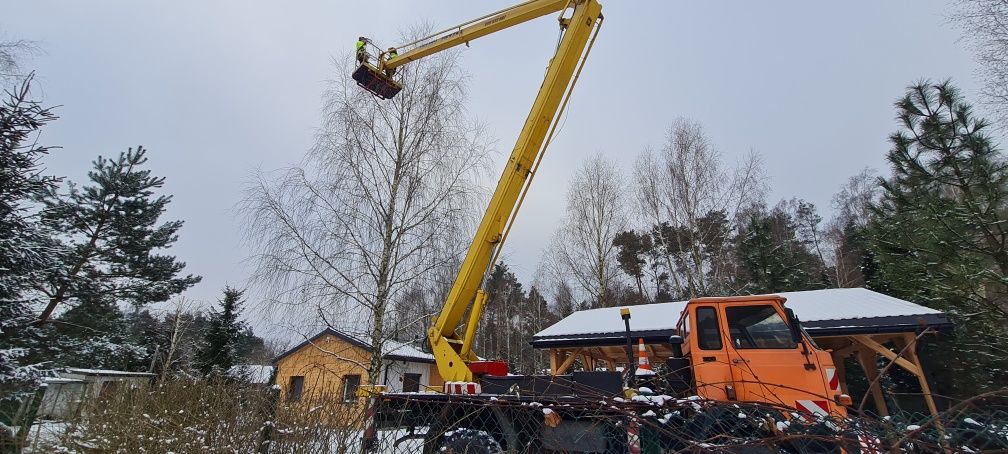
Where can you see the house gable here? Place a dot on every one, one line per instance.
(323, 362)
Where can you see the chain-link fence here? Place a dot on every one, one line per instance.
(552, 414)
(656, 423)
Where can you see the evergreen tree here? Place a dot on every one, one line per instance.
(634, 250)
(220, 340)
(25, 250)
(939, 230)
(112, 237)
(536, 316)
(252, 349)
(563, 300)
(772, 257)
(498, 336)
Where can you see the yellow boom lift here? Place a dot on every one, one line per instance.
(734, 338)
(451, 335)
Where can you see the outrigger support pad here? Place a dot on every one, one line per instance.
(376, 82)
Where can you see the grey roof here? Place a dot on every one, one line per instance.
(827, 312)
(105, 372)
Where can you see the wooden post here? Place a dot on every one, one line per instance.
(588, 361)
(911, 353)
(554, 354)
(867, 359)
(888, 354)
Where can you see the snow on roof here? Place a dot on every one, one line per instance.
(405, 351)
(810, 306)
(58, 380)
(253, 373)
(109, 372)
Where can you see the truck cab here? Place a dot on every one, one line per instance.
(752, 349)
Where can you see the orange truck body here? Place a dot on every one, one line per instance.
(742, 349)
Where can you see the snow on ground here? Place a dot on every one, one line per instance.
(43, 436)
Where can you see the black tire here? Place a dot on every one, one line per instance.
(470, 441)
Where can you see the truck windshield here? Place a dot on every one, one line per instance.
(757, 327)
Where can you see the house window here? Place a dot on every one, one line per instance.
(295, 387)
(350, 384)
(411, 383)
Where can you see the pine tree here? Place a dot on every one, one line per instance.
(634, 249)
(25, 251)
(498, 336)
(112, 238)
(536, 316)
(771, 256)
(939, 230)
(220, 340)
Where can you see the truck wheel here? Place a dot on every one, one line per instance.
(469, 441)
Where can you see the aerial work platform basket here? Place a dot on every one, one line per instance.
(376, 82)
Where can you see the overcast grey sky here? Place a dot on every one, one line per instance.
(215, 89)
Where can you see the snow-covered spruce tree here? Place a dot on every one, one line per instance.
(939, 230)
(112, 239)
(25, 254)
(220, 340)
(95, 333)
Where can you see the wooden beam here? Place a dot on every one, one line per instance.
(844, 352)
(908, 342)
(554, 353)
(567, 362)
(888, 354)
(867, 360)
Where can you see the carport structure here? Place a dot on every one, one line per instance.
(852, 322)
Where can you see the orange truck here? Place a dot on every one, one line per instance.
(744, 349)
(737, 351)
(753, 349)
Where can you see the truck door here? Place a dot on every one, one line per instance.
(708, 354)
(767, 364)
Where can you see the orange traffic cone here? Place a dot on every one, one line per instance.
(643, 365)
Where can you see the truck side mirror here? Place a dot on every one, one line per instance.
(676, 342)
(794, 324)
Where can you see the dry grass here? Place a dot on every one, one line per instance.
(212, 416)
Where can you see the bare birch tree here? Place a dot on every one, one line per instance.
(179, 321)
(689, 197)
(845, 232)
(985, 27)
(582, 248)
(12, 53)
(379, 203)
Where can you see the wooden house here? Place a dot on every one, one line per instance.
(332, 364)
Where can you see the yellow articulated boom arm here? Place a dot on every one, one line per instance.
(579, 20)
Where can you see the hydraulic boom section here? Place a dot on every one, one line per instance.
(451, 336)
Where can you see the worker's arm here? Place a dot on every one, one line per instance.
(473, 29)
